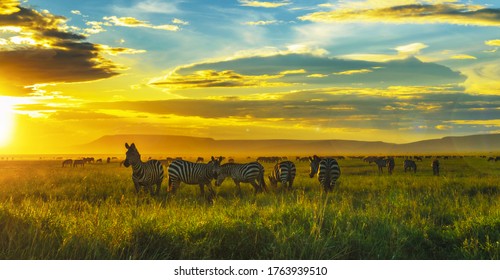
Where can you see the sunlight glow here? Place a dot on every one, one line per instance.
(6, 120)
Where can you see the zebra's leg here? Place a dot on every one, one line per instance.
(238, 187)
(158, 187)
(210, 189)
(256, 187)
(202, 189)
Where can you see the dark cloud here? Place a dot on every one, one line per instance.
(349, 110)
(414, 14)
(53, 54)
(281, 70)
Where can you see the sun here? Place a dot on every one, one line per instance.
(6, 120)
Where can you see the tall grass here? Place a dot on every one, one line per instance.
(49, 212)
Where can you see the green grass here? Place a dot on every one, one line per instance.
(49, 212)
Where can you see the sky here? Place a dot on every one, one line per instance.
(394, 71)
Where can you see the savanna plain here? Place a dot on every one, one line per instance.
(51, 212)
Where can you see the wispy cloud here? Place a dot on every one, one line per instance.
(261, 22)
(353, 72)
(133, 22)
(263, 4)
(449, 13)
(463, 57)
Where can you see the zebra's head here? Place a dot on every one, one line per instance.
(214, 163)
(132, 155)
(313, 165)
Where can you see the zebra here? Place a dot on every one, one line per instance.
(193, 173)
(200, 159)
(67, 162)
(390, 164)
(283, 172)
(409, 165)
(435, 167)
(252, 173)
(144, 174)
(327, 169)
(77, 162)
(381, 163)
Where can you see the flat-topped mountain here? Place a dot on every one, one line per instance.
(172, 145)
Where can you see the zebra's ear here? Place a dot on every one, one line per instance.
(220, 159)
(213, 158)
(310, 159)
(127, 146)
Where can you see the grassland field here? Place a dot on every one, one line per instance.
(50, 212)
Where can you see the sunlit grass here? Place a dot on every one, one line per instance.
(49, 212)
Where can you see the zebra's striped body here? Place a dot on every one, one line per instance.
(192, 174)
(381, 163)
(283, 172)
(252, 173)
(390, 164)
(410, 165)
(144, 174)
(77, 162)
(67, 162)
(435, 167)
(327, 169)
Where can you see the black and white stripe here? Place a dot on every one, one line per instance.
(144, 174)
(327, 169)
(252, 173)
(283, 172)
(381, 163)
(192, 174)
(410, 165)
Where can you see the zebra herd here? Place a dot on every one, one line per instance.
(150, 173)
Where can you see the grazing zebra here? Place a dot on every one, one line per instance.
(193, 173)
(144, 174)
(381, 163)
(435, 167)
(409, 165)
(283, 172)
(67, 162)
(77, 162)
(252, 173)
(328, 171)
(390, 164)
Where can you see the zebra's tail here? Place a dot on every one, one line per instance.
(262, 182)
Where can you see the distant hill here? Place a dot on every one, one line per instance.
(170, 145)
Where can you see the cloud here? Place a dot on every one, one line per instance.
(133, 22)
(38, 48)
(263, 4)
(352, 72)
(8, 7)
(494, 43)
(448, 13)
(403, 52)
(463, 57)
(212, 78)
(329, 109)
(288, 69)
(261, 22)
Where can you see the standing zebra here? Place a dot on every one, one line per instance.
(390, 164)
(252, 173)
(193, 173)
(67, 162)
(328, 171)
(381, 163)
(435, 167)
(144, 174)
(283, 172)
(409, 165)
